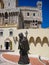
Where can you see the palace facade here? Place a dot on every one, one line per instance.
(28, 20)
(22, 17)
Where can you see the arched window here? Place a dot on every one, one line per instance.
(9, 4)
(11, 32)
(27, 13)
(3, 14)
(1, 32)
(6, 15)
(33, 14)
(36, 21)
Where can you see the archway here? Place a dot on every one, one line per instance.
(8, 44)
(38, 40)
(31, 40)
(45, 40)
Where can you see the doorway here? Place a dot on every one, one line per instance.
(8, 44)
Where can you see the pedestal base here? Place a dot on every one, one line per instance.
(24, 64)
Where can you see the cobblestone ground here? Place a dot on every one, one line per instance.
(3, 62)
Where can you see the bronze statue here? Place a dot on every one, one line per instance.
(24, 48)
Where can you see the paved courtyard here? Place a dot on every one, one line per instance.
(13, 59)
(3, 62)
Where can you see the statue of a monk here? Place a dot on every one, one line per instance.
(24, 48)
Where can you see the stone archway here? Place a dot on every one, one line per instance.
(31, 40)
(8, 44)
(38, 40)
(45, 40)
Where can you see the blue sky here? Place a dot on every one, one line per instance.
(45, 9)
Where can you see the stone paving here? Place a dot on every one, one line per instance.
(33, 61)
(3, 62)
(7, 64)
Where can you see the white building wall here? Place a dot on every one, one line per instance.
(31, 10)
(38, 50)
(30, 17)
(9, 4)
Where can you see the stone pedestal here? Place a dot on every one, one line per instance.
(24, 64)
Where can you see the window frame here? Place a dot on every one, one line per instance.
(27, 13)
(1, 33)
(11, 32)
(33, 14)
